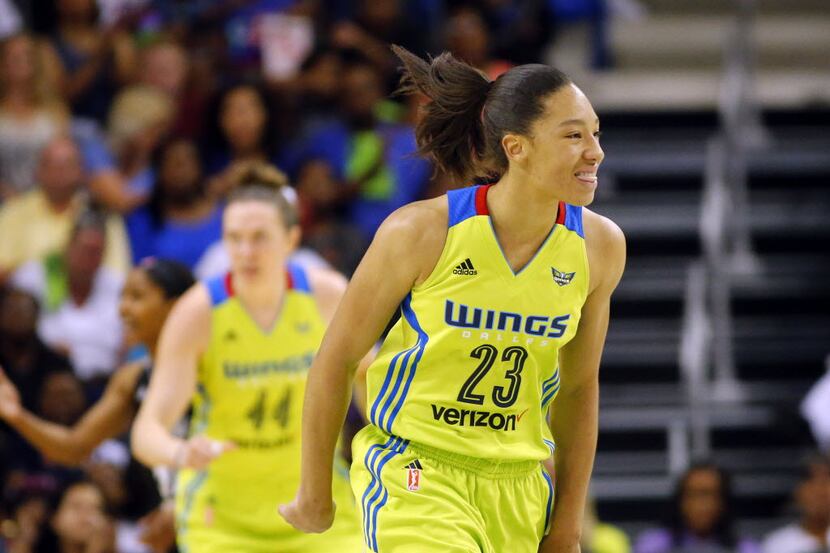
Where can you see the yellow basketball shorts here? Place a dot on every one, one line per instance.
(416, 499)
(222, 519)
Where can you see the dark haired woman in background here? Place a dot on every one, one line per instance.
(149, 293)
(700, 518)
(181, 220)
(242, 131)
(504, 291)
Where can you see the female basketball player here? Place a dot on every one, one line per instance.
(240, 347)
(504, 295)
(149, 293)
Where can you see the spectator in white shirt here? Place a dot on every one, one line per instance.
(79, 299)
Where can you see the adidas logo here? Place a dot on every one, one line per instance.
(230, 336)
(414, 465)
(465, 268)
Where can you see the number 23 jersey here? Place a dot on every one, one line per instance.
(471, 367)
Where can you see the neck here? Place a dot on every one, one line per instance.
(80, 288)
(17, 349)
(516, 206)
(18, 97)
(72, 547)
(262, 294)
(816, 527)
(58, 204)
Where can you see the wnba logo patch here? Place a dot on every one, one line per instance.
(413, 475)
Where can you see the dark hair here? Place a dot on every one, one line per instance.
(723, 531)
(172, 277)
(155, 205)
(48, 540)
(216, 142)
(264, 182)
(468, 115)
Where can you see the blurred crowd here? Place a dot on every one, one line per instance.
(123, 125)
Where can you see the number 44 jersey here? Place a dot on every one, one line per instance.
(471, 367)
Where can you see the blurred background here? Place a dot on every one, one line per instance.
(123, 124)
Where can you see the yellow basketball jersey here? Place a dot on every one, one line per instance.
(472, 365)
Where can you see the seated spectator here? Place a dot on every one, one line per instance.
(242, 132)
(181, 220)
(79, 523)
(94, 61)
(467, 38)
(24, 358)
(79, 299)
(38, 223)
(812, 497)
(700, 517)
(30, 115)
(372, 161)
(29, 500)
(121, 174)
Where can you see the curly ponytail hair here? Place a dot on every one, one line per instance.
(468, 114)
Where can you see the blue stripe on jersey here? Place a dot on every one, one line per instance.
(573, 219)
(462, 204)
(373, 416)
(423, 338)
(376, 507)
(299, 278)
(551, 445)
(217, 289)
(549, 507)
(547, 397)
(550, 382)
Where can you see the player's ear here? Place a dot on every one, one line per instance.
(295, 234)
(515, 147)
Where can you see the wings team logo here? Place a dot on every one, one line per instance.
(561, 278)
(413, 475)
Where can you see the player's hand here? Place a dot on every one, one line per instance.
(306, 517)
(10, 406)
(199, 451)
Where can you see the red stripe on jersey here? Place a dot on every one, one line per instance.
(289, 280)
(560, 214)
(229, 284)
(481, 199)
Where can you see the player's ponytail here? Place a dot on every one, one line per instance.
(450, 131)
(468, 114)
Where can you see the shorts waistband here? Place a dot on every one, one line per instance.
(491, 468)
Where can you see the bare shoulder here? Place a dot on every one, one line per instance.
(190, 318)
(605, 243)
(416, 232)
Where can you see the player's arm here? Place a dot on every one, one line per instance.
(328, 287)
(575, 417)
(184, 337)
(404, 251)
(70, 445)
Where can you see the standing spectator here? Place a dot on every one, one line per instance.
(121, 173)
(38, 223)
(95, 61)
(181, 221)
(79, 298)
(812, 497)
(700, 517)
(29, 113)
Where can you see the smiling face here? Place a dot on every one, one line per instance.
(562, 153)
(143, 308)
